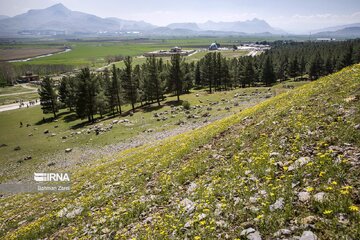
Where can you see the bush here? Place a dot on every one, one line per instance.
(186, 105)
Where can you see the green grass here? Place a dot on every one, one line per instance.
(140, 195)
(40, 145)
(93, 53)
(13, 89)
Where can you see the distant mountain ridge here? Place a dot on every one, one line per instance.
(336, 28)
(58, 20)
(349, 32)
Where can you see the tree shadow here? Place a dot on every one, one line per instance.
(70, 118)
(174, 103)
(150, 108)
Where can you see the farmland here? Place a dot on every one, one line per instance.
(93, 53)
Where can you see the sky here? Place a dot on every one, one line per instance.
(298, 16)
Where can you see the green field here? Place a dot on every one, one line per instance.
(93, 53)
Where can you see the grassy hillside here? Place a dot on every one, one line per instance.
(291, 163)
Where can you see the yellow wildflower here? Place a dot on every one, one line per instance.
(334, 183)
(329, 188)
(321, 174)
(347, 187)
(327, 212)
(354, 208)
(197, 238)
(202, 222)
(260, 216)
(344, 192)
(309, 189)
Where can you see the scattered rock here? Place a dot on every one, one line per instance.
(278, 205)
(274, 154)
(309, 220)
(319, 196)
(30, 134)
(357, 127)
(188, 224)
(115, 121)
(202, 216)
(53, 134)
(68, 150)
(251, 234)
(51, 164)
(46, 131)
(64, 137)
(75, 212)
(188, 205)
(3, 145)
(308, 235)
(17, 148)
(282, 232)
(299, 163)
(27, 158)
(192, 187)
(304, 196)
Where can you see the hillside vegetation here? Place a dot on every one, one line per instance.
(287, 167)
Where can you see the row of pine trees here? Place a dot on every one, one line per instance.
(90, 93)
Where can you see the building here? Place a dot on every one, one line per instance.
(169, 53)
(29, 77)
(176, 50)
(214, 46)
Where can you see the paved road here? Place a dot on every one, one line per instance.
(14, 106)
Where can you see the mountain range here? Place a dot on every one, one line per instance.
(59, 20)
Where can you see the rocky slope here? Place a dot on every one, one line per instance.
(287, 168)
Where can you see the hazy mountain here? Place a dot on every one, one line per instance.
(189, 26)
(132, 25)
(336, 28)
(60, 18)
(3, 17)
(249, 26)
(349, 32)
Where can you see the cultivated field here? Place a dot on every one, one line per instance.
(7, 54)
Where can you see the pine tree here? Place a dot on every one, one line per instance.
(48, 97)
(152, 81)
(208, 71)
(67, 94)
(294, 68)
(87, 91)
(116, 88)
(268, 75)
(187, 80)
(128, 83)
(197, 74)
(175, 75)
(249, 73)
